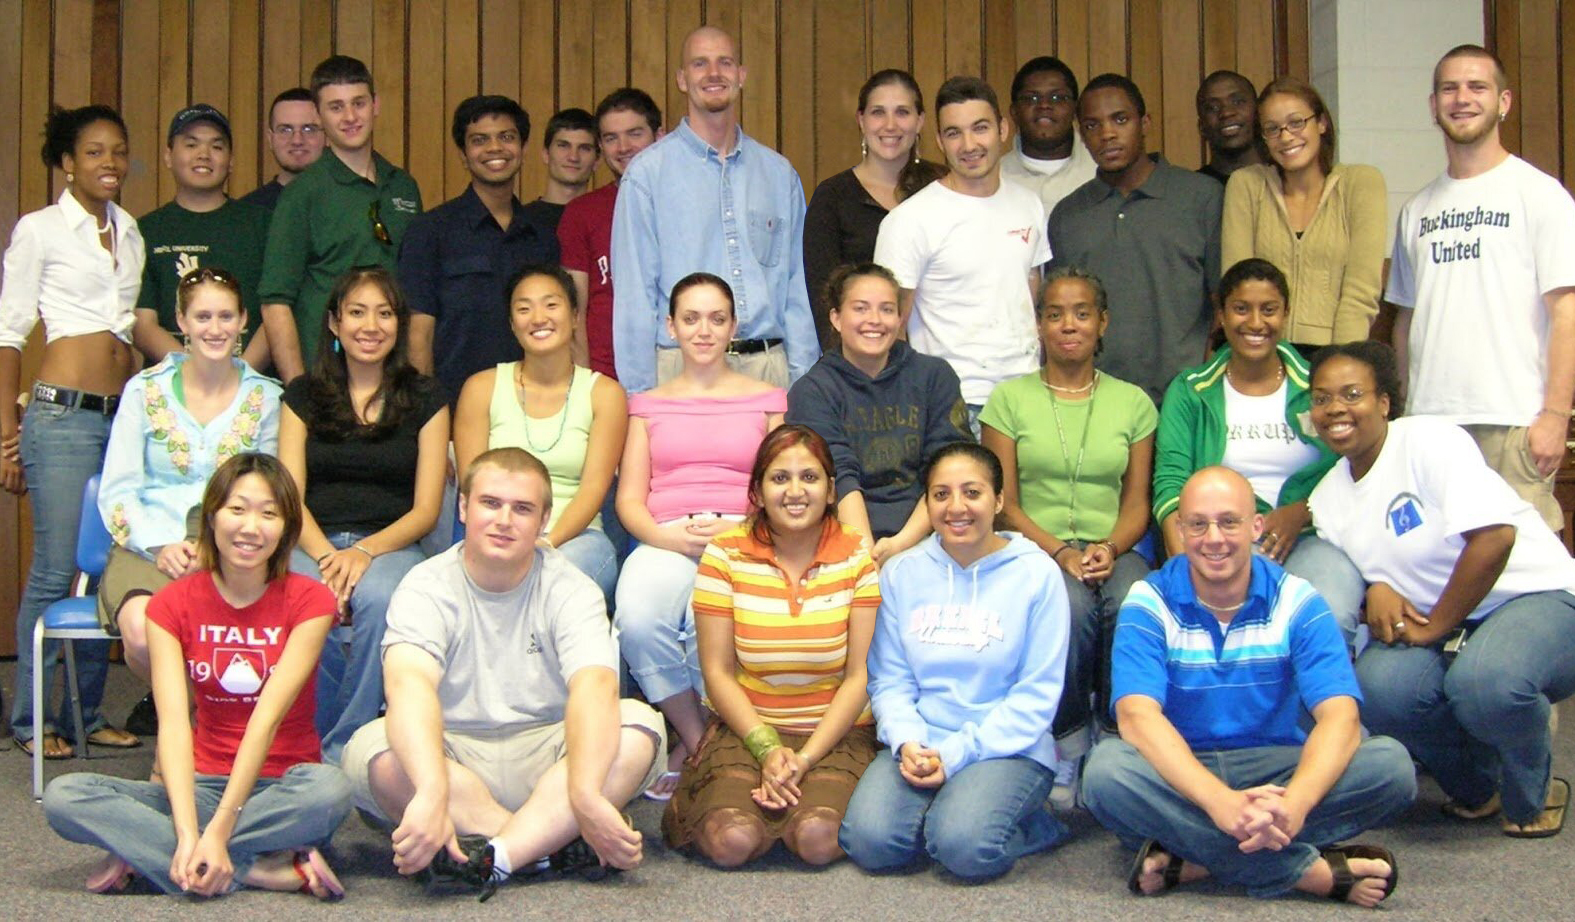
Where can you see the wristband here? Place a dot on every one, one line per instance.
(761, 740)
(323, 558)
(362, 548)
(1551, 412)
(1057, 555)
(1114, 553)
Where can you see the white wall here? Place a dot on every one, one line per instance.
(1373, 62)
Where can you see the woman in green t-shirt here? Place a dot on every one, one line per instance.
(1077, 448)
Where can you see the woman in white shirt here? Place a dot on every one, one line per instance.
(1469, 599)
(76, 265)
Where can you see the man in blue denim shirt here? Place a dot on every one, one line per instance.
(708, 198)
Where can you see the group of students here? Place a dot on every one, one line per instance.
(922, 544)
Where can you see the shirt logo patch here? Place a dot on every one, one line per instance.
(957, 626)
(1020, 233)
(240, 670)
(406, 205)
(1404, 514)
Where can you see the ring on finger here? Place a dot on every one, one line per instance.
(1399, 625)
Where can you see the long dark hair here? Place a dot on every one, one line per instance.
(333, 416)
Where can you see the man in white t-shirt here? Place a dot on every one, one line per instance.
(1045, 157)
(967, 251)
(505, 749)
(1484, 274)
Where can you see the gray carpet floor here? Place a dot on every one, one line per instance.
(1449, 871)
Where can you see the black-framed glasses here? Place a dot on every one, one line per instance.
(1028, 98)
(1227, 524)
(379, 229)
(1294, 125)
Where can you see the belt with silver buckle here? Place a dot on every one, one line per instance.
(76, 400)
(751, 346)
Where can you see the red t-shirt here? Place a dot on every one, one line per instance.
(585, 245)
(230, 652)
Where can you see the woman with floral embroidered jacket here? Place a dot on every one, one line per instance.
(178, 421)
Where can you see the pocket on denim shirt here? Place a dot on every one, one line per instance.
(766, 234)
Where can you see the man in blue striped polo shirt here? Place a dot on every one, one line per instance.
(1217, 656)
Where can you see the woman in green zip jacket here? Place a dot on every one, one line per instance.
(1247, 408)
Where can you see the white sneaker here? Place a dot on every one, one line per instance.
(1066, 792)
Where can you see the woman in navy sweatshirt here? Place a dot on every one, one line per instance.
(882, 407)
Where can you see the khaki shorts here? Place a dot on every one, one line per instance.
(1506, 451)
(769, 366)
(509, 764)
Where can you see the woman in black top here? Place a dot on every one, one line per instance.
(366, 437)
(846, 210)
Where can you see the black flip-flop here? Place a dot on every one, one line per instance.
(27, 747)
(1172, 872)
(1344, 880)
(1558, 805)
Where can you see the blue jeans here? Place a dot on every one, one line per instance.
(1480, 724)
(1088, 653)
(1335, 577)
(131, 819)
(976, 825)
(1129, 798)
(61, 450)
(350, 682)
(656, 629)
(592, 554)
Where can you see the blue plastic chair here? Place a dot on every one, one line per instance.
(71, 619)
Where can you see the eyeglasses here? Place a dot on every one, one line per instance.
(290, 131)
(1227, 524)
(1294, 125)
(1348, 396)
(379, 229)
(1034, 99)
(205, 274)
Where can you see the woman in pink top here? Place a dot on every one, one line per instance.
(683, 480)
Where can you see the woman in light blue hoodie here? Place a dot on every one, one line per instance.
(965, 671)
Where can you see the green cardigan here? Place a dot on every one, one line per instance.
(1191, 434)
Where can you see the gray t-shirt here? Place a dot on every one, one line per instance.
(506, 657)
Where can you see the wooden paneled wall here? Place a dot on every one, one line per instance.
(1535, 39)
(806, 60)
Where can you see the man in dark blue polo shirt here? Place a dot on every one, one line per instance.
(1217, 655)
(457, 258)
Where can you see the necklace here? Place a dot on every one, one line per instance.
(1223, 609)
(109, 222)
(1070, 390)
(562, 414)
(1278, 377)
(1066, 454)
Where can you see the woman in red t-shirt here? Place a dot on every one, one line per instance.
(244, 799)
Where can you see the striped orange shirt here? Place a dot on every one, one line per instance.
(791, 641)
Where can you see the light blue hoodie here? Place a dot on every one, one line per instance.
(970, 660)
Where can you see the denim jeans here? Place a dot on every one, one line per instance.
(132, 819)
(61, 449)
(976, 825)
(656, 629)
(1128, 796)
(592, 553)
(1094, 610)
(350, 682)
(1334, 576)
(1480, 724)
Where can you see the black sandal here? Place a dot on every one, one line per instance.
(1344, 880)
(1172, 872)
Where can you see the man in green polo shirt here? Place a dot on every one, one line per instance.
(201, 229)
(347, 210)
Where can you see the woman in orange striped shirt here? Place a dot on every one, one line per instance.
(786, 608)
